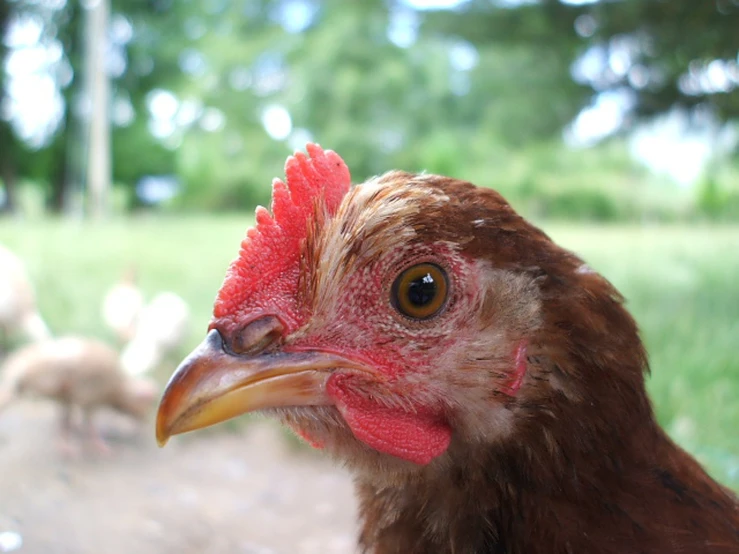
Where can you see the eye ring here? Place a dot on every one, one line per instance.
(420, 291)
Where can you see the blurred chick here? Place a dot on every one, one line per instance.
(122, 307)
(18, 313)
(77, 373)
(161, 328)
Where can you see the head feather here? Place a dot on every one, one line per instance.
(265, 276)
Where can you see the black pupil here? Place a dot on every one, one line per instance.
(421, 291)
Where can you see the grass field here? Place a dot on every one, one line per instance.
(680, 283)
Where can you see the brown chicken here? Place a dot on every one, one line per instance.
(79, 374)
(484, 385)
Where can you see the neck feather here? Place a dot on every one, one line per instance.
(579, 473)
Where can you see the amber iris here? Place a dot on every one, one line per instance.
(420, 291)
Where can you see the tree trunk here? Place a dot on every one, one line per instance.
(97, 88)
(9, 177)
(57, 201)
(7, 168)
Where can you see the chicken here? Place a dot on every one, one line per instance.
(77, 373)
(122, 306)
(485, 387)
(18, 313)
(161, 329)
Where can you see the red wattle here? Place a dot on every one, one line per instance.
(413, 436)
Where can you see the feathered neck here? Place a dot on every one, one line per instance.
(587, 468)
(527, 497)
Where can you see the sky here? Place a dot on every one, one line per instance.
(34, 103)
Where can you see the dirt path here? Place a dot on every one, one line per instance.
(246, 492)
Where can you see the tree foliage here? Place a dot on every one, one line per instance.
(666, 53)
(195, 84)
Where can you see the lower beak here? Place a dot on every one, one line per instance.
(211, 385)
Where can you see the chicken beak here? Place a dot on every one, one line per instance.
(212, 385)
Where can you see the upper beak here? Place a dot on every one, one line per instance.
(212, 385)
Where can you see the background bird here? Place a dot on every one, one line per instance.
(483, 384)
(79, 374)
(161, 328)
(19, 316)
(122, 307)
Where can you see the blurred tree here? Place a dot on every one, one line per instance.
(669, 54)
(144, 46)
(67, 149)
(18, 158)
(150, 39)
(8, 141)
(657, 54)
(358, 77)
(219, 91)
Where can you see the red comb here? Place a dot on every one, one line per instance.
(264, 278)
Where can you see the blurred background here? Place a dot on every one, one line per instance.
(137, 136)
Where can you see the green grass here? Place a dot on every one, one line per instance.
(679, 283)
(73, 264)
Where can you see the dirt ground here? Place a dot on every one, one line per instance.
(240, 492)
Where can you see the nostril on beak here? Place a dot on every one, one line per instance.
(256, 336)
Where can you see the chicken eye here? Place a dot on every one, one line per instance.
(420, 291)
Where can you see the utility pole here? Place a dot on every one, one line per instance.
(97, 91)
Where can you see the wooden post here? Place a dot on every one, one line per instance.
(97, 92)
